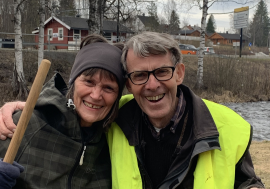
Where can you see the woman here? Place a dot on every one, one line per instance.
(64, 145)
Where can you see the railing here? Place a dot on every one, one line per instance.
(50, 44)
(73, 43)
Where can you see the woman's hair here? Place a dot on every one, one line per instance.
(90, 39)
(152, 43)
(93, 38)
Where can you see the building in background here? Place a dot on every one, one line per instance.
(227, 38)
(67, 32)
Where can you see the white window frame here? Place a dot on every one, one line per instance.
(59, 37)
(74, 38)
(50, 36)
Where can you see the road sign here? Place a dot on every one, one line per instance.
(240, 17)
(250, 44)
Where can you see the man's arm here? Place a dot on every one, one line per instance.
(245, 176)
(7, 127)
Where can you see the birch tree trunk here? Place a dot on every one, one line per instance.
(101, 15)
(199, 83)
(95, 16)
(18, 83)
(41, 31)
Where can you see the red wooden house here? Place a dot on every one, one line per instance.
(67, 32)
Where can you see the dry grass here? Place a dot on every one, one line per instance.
(260, 153)
(243, 79)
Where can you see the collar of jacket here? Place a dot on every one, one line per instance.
(129, 119)
(52, 105)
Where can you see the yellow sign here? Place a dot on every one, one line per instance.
(241, 9)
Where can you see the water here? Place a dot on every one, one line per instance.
(257, 114)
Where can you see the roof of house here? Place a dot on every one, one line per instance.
(192, 27)
(232, 36)
(81, 24)
(163, 28)
(209, 34)
(187, 31)
(146, 20)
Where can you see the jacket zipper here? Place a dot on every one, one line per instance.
(189, 165)
(78, 158)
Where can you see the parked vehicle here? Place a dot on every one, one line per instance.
(208, 50)
(192, 46)
(188, 49)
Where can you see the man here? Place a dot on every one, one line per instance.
(177, 139)
(167, 137)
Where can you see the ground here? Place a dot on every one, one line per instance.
(260, 153)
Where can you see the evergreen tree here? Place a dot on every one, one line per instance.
(152, 12)
(260, 25)
(174, 23)
(210, 26)
(67, 8)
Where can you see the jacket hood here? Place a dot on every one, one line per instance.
(52, 105)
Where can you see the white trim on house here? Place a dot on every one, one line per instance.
(35, 31)
(59, 35)
(52, 17)
(48, 20)
(50, 36)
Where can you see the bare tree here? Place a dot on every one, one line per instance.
(108, 9)
(168, 8)
(41, 31)
(96, 8)
(199, 83)
(19, 87)
(6, 15)
(204, 5)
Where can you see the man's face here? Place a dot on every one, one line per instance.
(163, 107)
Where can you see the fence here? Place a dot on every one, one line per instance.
(191, 38)
(51, 42)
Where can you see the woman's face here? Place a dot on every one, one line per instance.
(94, 97)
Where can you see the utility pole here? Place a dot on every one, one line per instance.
(241, 36)
(118, 10)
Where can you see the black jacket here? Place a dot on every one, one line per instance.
(53, 144)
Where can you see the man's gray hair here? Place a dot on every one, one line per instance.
(152, 43)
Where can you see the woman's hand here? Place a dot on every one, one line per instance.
(9, 173)
(7, 127)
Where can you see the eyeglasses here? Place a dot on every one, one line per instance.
(161, 74)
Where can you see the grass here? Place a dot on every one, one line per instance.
(260, 154)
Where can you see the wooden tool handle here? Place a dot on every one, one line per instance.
(27, 111)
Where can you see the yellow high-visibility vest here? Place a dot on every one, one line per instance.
(215, 168)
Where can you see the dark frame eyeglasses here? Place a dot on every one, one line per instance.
(161, 74)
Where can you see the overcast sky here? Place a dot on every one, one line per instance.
(194, 15)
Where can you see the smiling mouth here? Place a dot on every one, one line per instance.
(91, 105)
(155, 98)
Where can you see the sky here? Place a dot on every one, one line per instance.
(193, 16)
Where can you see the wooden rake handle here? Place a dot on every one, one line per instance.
(27, 111)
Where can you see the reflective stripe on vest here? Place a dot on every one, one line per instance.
(215, 168)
